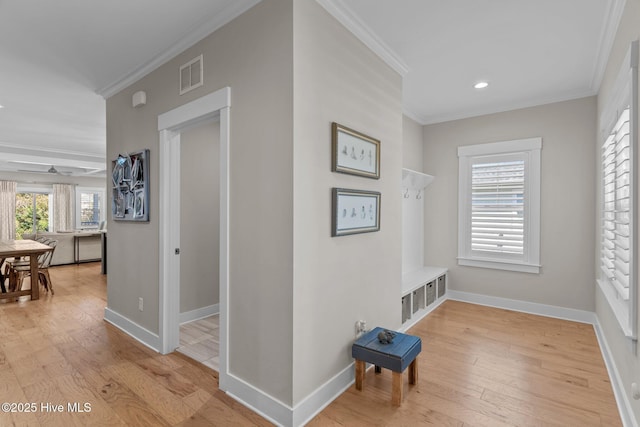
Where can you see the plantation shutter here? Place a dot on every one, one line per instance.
(497, 207)
(616, 241)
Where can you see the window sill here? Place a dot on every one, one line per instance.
(619, 308)
(500, 265)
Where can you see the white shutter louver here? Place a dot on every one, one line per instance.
(497, 207)
(616, 239)
(89, 209)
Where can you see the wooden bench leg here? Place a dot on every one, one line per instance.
(396, 388)
(413, 371)
(360, 367)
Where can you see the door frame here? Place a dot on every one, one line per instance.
(170, 125)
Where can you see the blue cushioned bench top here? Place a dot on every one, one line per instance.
(395, 356)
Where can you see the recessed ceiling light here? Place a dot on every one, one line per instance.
(481, 85)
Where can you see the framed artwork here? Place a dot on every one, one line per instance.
(354, 211)
(130, 179)
(354, 153)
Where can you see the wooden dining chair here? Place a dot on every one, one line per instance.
(17, 270)
(2, 277)
(18, 261)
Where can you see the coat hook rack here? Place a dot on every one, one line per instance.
(406, 193)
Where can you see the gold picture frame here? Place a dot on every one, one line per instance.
(354, 211)
(354, 153)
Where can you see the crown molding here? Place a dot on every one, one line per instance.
(339, 10)
(441, 118)
(413, 116)
(606, 39)
(227, 14)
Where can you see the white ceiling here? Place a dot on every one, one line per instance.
(59, 58)
(530, 52)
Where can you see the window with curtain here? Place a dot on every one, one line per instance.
(63, 207)
(32, 212)
(7, 210)
(499, 205)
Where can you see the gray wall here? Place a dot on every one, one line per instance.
(567, 197)
(199, 216)
(627, 363)
(280, 193)
(339, 280)
(253, 55)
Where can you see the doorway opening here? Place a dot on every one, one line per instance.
(214, 107)
(200, 243)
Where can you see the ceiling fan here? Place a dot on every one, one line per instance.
(39, 167)
(51, 170)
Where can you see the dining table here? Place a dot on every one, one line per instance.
(18, 249)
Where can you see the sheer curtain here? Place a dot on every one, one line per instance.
(7, 210)
(63, 207)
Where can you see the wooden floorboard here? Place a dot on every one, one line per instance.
(59, 350)
(480, 366)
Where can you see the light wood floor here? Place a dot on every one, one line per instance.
(479, 366)
(59, 349)
(482, 366)
(200, 340)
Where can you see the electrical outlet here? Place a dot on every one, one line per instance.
(361, 327)
(140, 304)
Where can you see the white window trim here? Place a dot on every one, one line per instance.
(624, 93)
(39, 189)
(531, 261)
(79, 191)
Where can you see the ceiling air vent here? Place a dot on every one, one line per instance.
(191, 75)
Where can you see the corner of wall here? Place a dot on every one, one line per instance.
(624, 405)
(128, 326)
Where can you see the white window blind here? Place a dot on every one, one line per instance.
(90, 210)
(618, 245)
(497, 207)
(616, 239)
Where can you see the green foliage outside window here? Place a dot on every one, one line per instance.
(25, 221)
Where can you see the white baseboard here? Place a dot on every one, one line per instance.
(258, 401)
(199, 313)
(282, 414)
(581, 316)
(131, 328)
(311, 405)
(624, 406)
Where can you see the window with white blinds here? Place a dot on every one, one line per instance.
(616, 212)
(499, 205)
(90, 210)
(618, 126)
